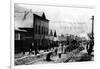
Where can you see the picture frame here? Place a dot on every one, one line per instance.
(22, 30)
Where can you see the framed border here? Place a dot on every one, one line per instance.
(12, 25)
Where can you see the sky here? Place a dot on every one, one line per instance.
(65, 20)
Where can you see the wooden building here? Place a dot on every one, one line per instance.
(32, 28)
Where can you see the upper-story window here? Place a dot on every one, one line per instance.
(42, 30)
(39, 30)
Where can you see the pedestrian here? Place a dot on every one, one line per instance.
(56, 51)
(59, 50)
(64, 47)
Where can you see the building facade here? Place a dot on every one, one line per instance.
(41, 30)
(32, 28)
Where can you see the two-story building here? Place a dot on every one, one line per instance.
(31, 27)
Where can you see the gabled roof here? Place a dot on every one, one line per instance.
(25, 19)
(41, 17)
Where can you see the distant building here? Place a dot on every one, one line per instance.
(62, 38)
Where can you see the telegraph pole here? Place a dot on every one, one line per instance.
(92, 27)
(91, 38)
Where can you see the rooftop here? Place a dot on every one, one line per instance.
(25, 19)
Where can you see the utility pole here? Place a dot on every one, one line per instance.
(92, 27)
(90, 50)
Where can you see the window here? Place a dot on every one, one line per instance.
(42, 30)
(17, 36)
(39, 30)
(35, 29)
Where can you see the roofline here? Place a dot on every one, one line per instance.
(21, 31)
(40, 17)
(33, 14)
